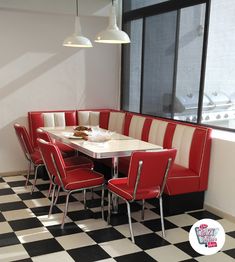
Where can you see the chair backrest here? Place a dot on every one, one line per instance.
(43, 135)
(52, 159)
(24, 140)
(149, 170)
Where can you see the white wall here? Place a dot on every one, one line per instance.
(37, 73)
(221, 193)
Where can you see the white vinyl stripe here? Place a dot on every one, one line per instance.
(59, 119)
(94, 118)
(136, 127)
(116, 122)
(83, 118)
(157, 132)
(48, 119)
(182, 141)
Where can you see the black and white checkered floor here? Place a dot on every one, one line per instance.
(27, 234)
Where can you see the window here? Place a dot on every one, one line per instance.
(173, 68)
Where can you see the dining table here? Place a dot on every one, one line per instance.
(111, 145)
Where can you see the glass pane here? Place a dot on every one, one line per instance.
(131, 65)
(220, 72)
(135, 4)
(159, 55)
(189, 63)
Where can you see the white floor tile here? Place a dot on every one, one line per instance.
(229, 243)
(34, 234)
(23, 189)
(182, 220)
(9, 198)
(148, 215)
(37, 202)
(13, 253)
(14, 178)
(138, 229)
(4, 185)
(219, 257)
(5, 228)
(167, 253)
(57, 256)
(227, 225)
(75, 241)
(54, 219)
(92, 224)
(18, 214)
(119, 247)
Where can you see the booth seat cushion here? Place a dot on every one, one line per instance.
(116, 122)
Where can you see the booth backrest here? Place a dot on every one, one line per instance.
(193, 142)
(50, 118)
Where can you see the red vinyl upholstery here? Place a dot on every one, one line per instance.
(146, 179)
(70, 181)
(32, 155)
(193, 143)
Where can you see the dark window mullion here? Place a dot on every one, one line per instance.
(175, 63)
(203, 64)
(142, 66)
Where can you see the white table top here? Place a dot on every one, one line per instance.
(118, 146)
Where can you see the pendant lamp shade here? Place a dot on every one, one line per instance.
(77, 39)
(112, 34)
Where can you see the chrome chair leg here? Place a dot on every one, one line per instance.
(129, 219)
(65, 210)
(57, 196)
(49, 191)
(52, 200)
(102, 202)
(35, 178)
(142, 211)
(29, 171)
(109, 207)
(84, 197)
(162, 217)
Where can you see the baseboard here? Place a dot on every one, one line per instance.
(14, 173)
(220, 213)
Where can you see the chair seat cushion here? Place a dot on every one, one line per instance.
(77, 161)
(120, 187)
(36, 158)
(81, 178)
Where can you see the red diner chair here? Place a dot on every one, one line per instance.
(66, 150)
(70, 180)
(33, 156)
(146, 179)
(71, 162)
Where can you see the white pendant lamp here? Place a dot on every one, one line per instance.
(112, 34)
(77, 39)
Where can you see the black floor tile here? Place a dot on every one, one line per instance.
(44, 210)
(139, 256)
(42, 247)
(204, 214)
(155, 224)
(29, 196)
(8, 239)
(1, 180)
(25, 260)
(120, 219)
(69, 228)
(231, 234)
(187, 228)
(92, 203)
(190, 260)
(23, 224)
(18, 183)
(6, 191)
(12, 206)
(2, 218)
(230, 252)
(43, 187)
(88, 254)
(80, 215)
(104, 235)
(62, 199)
(149, 241)
(186, 248)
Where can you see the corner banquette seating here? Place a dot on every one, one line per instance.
(189, 178)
